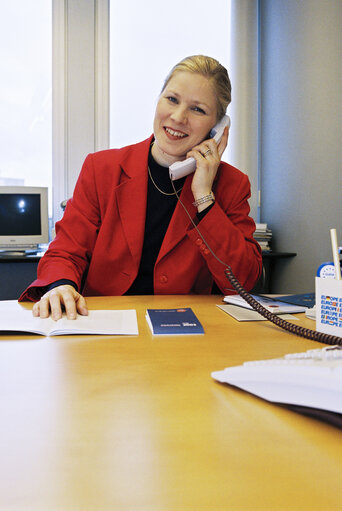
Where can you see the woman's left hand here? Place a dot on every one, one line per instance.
(208, 156)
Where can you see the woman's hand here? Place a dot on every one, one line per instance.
(57, 297)
(208, 155)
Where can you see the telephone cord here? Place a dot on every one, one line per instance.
(307, 333)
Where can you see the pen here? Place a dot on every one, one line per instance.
(334, 248)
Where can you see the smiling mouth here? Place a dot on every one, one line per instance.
(176, 134)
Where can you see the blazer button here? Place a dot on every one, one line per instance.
(163, 279)
(206, 251)
(199, 242)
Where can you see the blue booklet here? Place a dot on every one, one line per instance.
(304, 299)
(173, 321)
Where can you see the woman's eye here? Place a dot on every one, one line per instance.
(198, 109)
(172, 99)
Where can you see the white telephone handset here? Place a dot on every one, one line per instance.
(183, 168)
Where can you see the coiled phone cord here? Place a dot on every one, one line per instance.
(307, 333)
(285, 325)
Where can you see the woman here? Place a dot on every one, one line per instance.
(124, 231)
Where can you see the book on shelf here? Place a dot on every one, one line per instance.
(264, 245)
(173, 321)
(261, 227)
(263, 235)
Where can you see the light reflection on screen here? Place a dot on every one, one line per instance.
(20, 214)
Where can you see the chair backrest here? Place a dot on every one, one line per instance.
(63, 204)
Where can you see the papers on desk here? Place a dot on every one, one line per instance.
(274, 306)
(98, 322)
(311, 379)
(242, 314)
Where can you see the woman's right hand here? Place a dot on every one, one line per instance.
(53, 300)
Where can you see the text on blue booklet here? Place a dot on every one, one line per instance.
(173, 321)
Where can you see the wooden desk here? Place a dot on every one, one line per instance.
(137, 423)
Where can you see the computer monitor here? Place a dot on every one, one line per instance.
(24, 222)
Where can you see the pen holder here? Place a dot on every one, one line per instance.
(329, 306)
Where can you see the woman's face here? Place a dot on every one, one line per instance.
(186, 111)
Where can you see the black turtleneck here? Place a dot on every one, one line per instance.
(159, 211)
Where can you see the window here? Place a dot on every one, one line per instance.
(146, 40)
(25, 93)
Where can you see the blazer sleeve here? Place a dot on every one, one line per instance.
(69, 254)
(228, 230)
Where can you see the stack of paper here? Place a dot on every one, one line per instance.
(312, 379)
(263, 235)
(275, 306)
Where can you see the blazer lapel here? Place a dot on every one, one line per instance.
(132, 196)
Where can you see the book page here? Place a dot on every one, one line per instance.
(99, 322)
(22, 320)
(15, 318)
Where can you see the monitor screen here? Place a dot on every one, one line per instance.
(23, 217)
(20, 214)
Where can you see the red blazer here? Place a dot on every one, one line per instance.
(99, 241)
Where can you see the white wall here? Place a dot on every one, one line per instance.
(301, 149)
(244, 110)
(80, 89)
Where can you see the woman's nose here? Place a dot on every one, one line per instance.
(179, 114)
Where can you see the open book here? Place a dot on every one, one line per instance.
(312, 379)
(98, 322)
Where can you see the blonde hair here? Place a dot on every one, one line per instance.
(209, 68)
